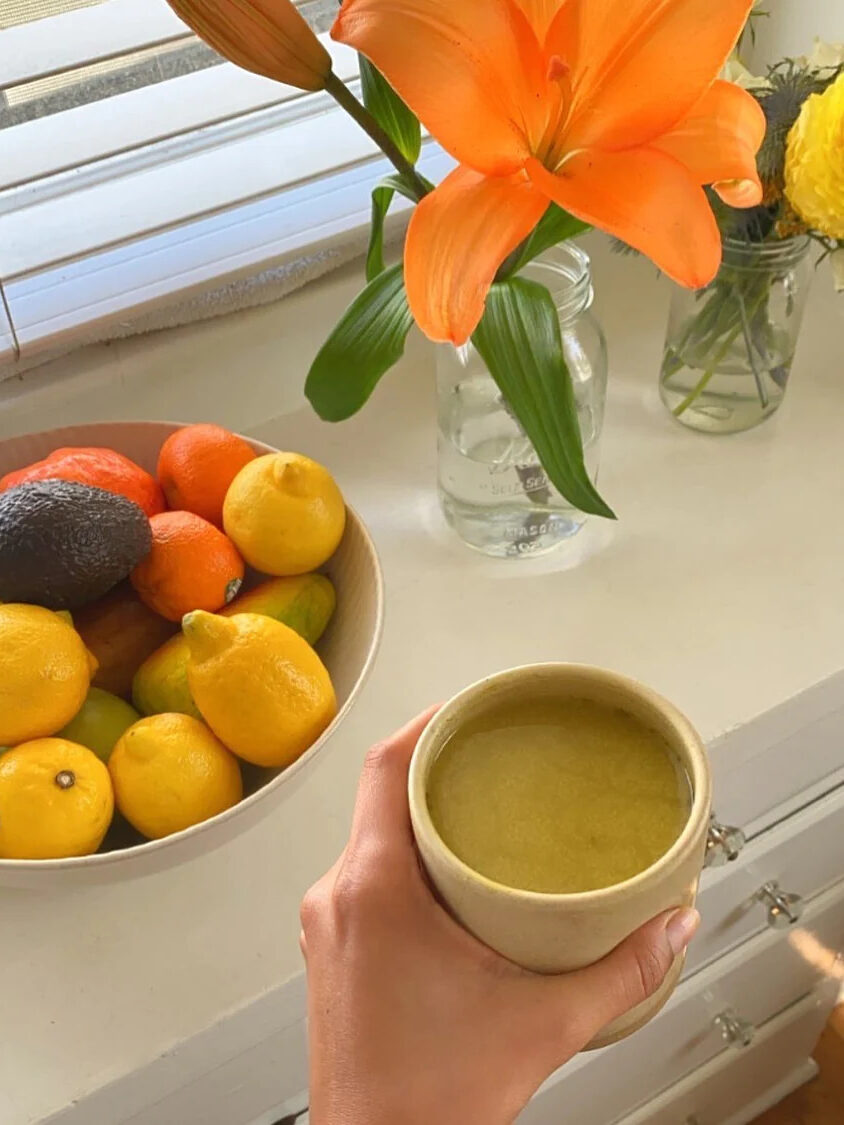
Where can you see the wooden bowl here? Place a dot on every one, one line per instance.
(348, 649)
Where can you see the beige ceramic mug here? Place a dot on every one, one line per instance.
(552, 933)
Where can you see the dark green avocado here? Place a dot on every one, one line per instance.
(64, 544)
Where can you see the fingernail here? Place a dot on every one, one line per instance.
(681, 928)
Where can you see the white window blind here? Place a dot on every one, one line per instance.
(135, 164)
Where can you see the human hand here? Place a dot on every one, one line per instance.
(413, 1021)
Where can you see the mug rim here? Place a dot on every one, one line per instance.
(697, 764)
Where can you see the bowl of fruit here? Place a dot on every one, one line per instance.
(186, 617)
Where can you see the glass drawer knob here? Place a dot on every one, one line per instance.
(723, 844)
(735, 1031)
(784, 910)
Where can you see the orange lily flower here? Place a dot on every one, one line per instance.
(268, 37)
(610, 108)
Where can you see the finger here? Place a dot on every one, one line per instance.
(381, 814)
(593, 997)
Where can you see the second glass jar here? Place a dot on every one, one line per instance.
(729, 347)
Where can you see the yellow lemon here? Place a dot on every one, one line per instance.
(260, 687)
(56, 800)
(284, 513)
(170, 772)
(45, 671)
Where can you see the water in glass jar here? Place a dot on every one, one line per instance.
(493, 490)
(727, 397)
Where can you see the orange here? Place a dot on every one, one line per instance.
(192, 565)
(101, 468)
(197, 464)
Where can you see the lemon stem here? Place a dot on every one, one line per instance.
(65, 779)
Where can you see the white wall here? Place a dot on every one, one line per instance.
(791, 27)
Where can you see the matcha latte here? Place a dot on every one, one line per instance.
(557, 795)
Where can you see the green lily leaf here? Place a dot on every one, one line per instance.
(397, 121)
(382, 197)
(367, 340)
(400, 184)
(556, 225)
(519, 341)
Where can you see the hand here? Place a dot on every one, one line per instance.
(413, 1021)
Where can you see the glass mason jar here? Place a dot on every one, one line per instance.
(493, 490)
(729, 347)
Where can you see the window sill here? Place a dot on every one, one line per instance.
(107, 293)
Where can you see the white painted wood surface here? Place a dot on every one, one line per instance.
(736, 1087)
(804, 855)
(792, 750)
(8, 344)
(251, 1059)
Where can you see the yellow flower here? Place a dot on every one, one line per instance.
(269, 37)
(814, 169)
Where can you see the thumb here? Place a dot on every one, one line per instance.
(632, 972)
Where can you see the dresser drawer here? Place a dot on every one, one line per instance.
(795, 748)
(735, 1088)
(803, 854)
(752, 984)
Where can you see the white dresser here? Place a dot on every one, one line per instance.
(179, 1000)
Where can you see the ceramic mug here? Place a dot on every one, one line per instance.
(553, 933)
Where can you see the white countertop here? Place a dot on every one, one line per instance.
(721, 586)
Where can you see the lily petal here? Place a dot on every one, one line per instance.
(457, 238)
(471, 70)
(645, 198)
(718, 142)
(740, 193)
(541, 14)
(639, 66)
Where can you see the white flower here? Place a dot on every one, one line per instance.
(735, 71)
(825, 56)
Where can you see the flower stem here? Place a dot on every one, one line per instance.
(722, 352)
(347, 101)
(703, 382)
(748, 343)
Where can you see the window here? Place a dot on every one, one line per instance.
(34, 97)
(136, 164)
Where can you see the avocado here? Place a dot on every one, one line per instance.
(64, 544)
